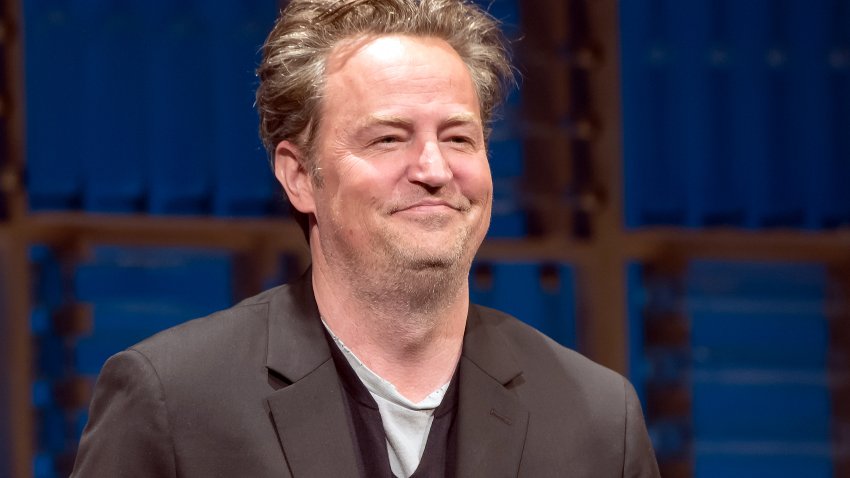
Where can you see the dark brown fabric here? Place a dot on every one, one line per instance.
(253, 391)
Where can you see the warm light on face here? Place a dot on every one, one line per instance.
(406, 181)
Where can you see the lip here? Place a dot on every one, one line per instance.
(427, 206)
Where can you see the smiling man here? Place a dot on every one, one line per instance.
(374, 363)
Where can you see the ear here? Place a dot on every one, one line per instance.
(292, 174)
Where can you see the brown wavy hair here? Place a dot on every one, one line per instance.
(292, 72)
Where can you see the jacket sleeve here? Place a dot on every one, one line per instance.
(639, 460)
(128, 432)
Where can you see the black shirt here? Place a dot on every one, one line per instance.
(367, 429)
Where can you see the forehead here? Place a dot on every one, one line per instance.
(396, 69)
(393, 48)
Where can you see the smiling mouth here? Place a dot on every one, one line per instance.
(430, 206)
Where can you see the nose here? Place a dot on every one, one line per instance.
(430, 168)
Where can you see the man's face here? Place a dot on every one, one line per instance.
(405, 181)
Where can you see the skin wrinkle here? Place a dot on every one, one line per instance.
(391, 279)
(302, 44)
(341, 55)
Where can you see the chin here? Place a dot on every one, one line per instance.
(441, 250)
(425, 263)
(440, 259)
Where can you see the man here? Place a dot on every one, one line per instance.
(373, 364)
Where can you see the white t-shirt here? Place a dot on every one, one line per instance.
(406, 424)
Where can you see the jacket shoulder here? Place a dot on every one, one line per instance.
(238, 316)
(592, 410)
(538, 353)
(203, 343)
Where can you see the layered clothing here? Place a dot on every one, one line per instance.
(253, 391)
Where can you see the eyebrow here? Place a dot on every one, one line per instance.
(462, 118)
(386, 120)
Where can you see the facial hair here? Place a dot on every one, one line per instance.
(396, 271)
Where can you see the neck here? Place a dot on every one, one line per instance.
(409, 333)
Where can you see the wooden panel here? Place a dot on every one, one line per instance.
(15, 354)
(12, 111)
(605, 278)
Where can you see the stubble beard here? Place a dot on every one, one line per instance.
(398, 275)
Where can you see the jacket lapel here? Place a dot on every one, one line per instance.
(309, 414)
(491, 420)
(312, 425)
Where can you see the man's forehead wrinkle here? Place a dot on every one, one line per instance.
(432, 88)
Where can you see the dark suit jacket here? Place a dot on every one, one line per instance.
(252, 392)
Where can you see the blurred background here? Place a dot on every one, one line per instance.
(672, 200)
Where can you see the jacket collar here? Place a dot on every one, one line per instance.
(491, 420)
(310, 416)
(297, 344)
(486, 347)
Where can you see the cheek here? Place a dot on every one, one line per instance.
(375, 179)
(364, 191)
(474, 178)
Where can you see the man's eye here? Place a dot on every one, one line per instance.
(388, 140)
(460, 140)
